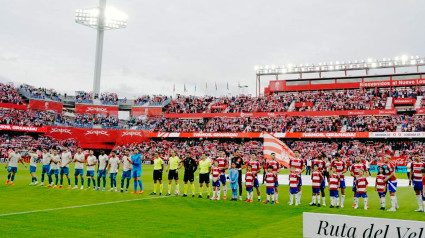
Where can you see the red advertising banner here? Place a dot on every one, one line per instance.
(96, 109)
(328, 135)
(146, 111)
(401, 101)
(257, 135)
(23, 128)
(281, 86)
(13, 106)
(46, 105)
(304, 104)
(97, 137)
(384, 112)
(420, 111)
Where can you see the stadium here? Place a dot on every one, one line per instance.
(322, 149)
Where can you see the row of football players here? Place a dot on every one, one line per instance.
(57, 165)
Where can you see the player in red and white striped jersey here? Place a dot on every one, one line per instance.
(275, 169)
(249, 183)
(321, 166)
(355, 172)
(341, 169)
(361, 189)
(298, 164)
(215, 172)
(223, 165)
(416, 176)
(255, 169)
(392, 182)
(271, 180)
(294, 181)
(381, 186)
(334, 182)
(316, 179)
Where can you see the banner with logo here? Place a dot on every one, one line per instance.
(404, 101)
(320, 225)
(23, 128)
(304, 104)
(97, 137)
(13, 106)
(45, 105)
(420, 111)
(96, 109)
(146, 111)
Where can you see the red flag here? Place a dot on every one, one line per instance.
(274, 145)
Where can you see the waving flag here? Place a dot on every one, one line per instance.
(274, 145)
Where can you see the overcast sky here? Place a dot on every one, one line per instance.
(193, 42)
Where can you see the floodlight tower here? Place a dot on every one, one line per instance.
(100, 18)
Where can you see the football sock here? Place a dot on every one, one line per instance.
(161, 187)
(155, 186)
(12, 177)
(140, 184)
(76, 181)
(82, 181)
(61, 181)
(342, 199)
(135, 185)
(419, 199)
(178, 188)
(185, 189)
(88, 182)
(193, 188)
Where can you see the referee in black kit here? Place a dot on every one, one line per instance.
(237, 159)
(190, 167)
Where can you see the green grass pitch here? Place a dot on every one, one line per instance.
(154, 216)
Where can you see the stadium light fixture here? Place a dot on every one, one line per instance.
(100, 18)
(399, 61)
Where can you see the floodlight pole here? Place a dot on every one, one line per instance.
(99, 49)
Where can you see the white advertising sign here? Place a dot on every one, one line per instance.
(329, 225)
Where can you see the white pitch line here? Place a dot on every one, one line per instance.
(70, 207)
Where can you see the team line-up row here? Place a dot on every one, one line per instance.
(57, 164)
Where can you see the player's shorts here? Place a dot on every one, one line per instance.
(173, 174)
(45, 169)
(157, 174)
(249, 189)
(256, 183)
(33, 169)
(361, 195)
(78, 172)
(323, 185)
(188, 177)
(276, 184)
(65, 170)
(54, 171)
(316, 190)
(101, 173)
(137, 173)
(204, 178)
(392, 186)
(90, 173)
(216, 183)
(300, 183)
(270, 191)
(293, 190)
(382, 194)
(342, 184)
(418, 186)
(223, 178)
(113, 176)
(12, 169)
(126, 174)
(333, 193)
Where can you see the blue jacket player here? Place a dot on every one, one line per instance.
(136, 161)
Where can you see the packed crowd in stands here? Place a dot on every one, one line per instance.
(83, 97)
(155, 100)
(408, 92)
(9, 94)
(26, 142)
(337, 100)
(90, 120)
(109, 98)
(40, 93)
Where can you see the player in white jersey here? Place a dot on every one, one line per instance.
(113, 166)
(45, 161)
(102, 169)
(54, 168)
(66, 159)
(12, 166)
(126, 171)
(91, 162)
(79, 168)
(33, 166)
